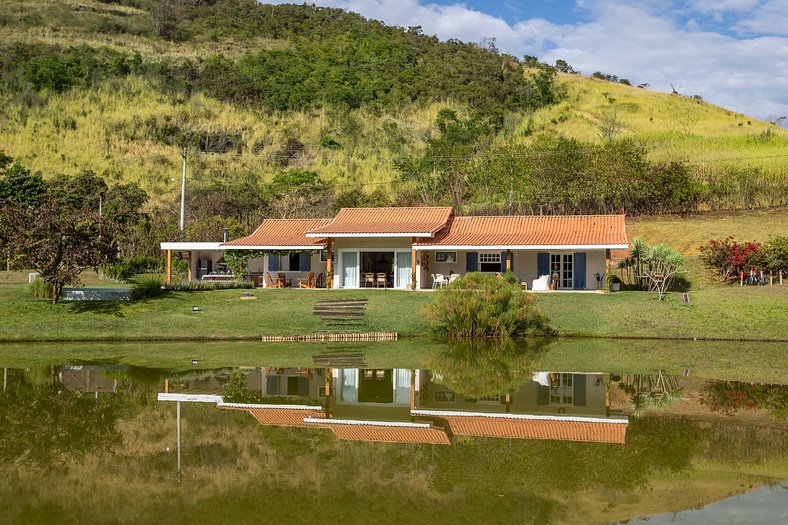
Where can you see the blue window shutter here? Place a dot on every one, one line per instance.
(304, 262)
(542, 395)
(543, 263)
(471, 262)
(273, 263)
(503, 261)
(579, 389)
(580, 271)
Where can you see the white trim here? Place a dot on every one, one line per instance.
(191, 398)
(217, 246)
(466, 247)
(517, 416)
(406, 234)
(222, 404)
(358, 422)
(309, 248)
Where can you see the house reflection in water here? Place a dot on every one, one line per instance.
(413, 406)
(90, 379)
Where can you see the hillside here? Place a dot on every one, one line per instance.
(119, 87)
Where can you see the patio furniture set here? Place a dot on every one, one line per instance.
(282, 281)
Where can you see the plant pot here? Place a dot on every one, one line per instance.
(615, 287)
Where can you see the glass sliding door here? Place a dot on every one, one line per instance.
(562, 265)
(404, 264)
(350, 270)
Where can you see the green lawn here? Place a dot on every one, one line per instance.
(224, 315)
(723, 312)
(726, 312)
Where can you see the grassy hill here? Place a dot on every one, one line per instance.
(128, 127)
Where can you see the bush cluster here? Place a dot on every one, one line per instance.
(127, 267)
(479, 305)
(729, 258)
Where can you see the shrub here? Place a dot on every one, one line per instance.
(147, 287)
(41, 289)
(479, 305)
(127, 267)
(202, 286)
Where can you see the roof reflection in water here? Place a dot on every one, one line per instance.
(413, 406)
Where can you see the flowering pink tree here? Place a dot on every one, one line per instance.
(729, 257)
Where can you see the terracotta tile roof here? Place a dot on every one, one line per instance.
(283, 417)
(532, 230)
(569, 430)
(388, 434)
(283, 232)
(392, 221)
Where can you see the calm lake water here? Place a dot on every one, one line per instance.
(490, 439)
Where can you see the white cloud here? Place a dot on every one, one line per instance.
(645, 41)
(769, 19)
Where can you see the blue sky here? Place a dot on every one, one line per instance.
(733, 53)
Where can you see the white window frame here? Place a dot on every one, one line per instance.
(489, 258)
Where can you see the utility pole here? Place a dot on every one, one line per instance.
(183, 189)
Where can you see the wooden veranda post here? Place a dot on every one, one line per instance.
(189, 274)
(508, 260)
(412, 388)
(607, 262)
(169, 267)
(329, 260)
(413, 268)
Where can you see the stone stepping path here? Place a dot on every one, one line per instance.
(341, 313)
(340, 360)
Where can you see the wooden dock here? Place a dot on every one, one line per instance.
(331, 337)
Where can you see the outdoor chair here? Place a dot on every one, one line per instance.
(453, 277)
(369, 279)
(542, 284)
(382, 279)
(438, 280)
(319, 280)
(308, 281)
(273, 283)
(284, 280)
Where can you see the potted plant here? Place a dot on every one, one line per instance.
(600, 278)
(614, 283)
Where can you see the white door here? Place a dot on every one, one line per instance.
(350, 270)
(404, 272)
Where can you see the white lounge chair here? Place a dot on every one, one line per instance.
(541, 284)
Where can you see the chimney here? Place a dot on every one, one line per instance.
(224, 235)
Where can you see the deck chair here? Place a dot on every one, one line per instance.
(308, 282)
(283, 278)
(319, 281)
(273, 283)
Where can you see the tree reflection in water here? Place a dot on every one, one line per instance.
(651, 391)
(45, 423)
(485, 367)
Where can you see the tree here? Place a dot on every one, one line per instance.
(564, 67)
(59, 242)
(609, 125)
(661, 263)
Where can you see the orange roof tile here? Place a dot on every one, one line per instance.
(532, 230)
(283, 233)
(570, 430)
(283, 417)
(388, 434)
(421, 221)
